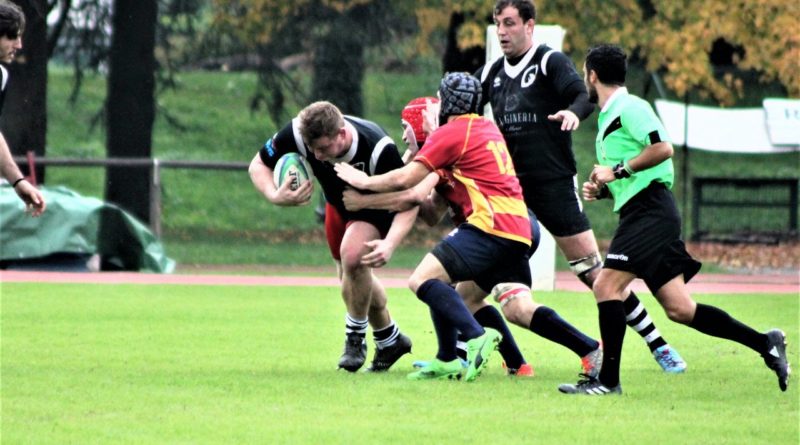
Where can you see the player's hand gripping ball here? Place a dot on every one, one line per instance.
(412, 116)
(294, 168)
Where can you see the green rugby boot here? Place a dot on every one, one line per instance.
(478, 351)
(438, 370)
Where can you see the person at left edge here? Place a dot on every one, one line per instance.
(12, 25)
(358, 241)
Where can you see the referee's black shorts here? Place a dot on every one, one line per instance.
(647, 242)
(556, 204)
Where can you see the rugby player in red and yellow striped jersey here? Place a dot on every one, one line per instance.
(485, 187)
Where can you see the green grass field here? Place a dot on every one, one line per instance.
(220, 364)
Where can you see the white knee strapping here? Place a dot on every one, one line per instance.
(586, 264)
(503, 293)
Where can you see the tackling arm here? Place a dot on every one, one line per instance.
(382, 249)
(398, 179)
(393, 201)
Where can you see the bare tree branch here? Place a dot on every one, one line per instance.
(58, 27)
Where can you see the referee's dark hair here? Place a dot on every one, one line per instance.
(12, 20)
(526, 8)
(609, 62)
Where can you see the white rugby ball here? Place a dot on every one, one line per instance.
(294, 168)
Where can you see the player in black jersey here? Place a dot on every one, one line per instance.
(537, 99)
(359, 240)
(12, 25)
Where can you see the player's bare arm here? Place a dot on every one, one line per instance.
(27, 192)
(393, 201)
(399, 179)
(381, 250)
(262, 179)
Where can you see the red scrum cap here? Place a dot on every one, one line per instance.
(412, 115)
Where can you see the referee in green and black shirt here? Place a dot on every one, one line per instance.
(635, 169)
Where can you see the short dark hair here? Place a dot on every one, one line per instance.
(12, 20)
(609, 62)
(320, 119)
(526, 8)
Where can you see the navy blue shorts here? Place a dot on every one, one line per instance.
(556, 204)
(470, 254)
(647, 242)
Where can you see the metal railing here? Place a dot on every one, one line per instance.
(759, 210)
(153, 164)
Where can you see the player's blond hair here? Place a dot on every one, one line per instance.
(320, 119)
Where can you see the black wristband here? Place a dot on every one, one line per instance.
(14, 185)
(620, 172)
(604, 192)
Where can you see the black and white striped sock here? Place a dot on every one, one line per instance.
(355, 326)
(637, 318)
(386, 336)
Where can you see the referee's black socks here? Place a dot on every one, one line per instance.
(715, 322)
(611, 314)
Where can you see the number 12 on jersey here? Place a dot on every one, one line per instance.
(503, 158)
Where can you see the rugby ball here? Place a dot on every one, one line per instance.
(412, 115)
(293, 168)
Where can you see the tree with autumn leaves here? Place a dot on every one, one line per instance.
(335, 32)
(674, 38)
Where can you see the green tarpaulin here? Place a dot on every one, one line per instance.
(71, 225)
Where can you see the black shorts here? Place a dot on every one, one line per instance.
(556, 205)
(470, 254)
(647, 242)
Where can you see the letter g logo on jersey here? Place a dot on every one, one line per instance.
(529, 76)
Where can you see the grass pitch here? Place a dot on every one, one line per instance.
(222, 364)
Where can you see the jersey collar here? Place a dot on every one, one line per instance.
(513, 71)
(621, 91)
(3, 77)
(351, 153)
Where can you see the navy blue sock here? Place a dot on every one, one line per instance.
(489, 317)
(547, 323)
(446, 336)
(612, 329)
(445, 301)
